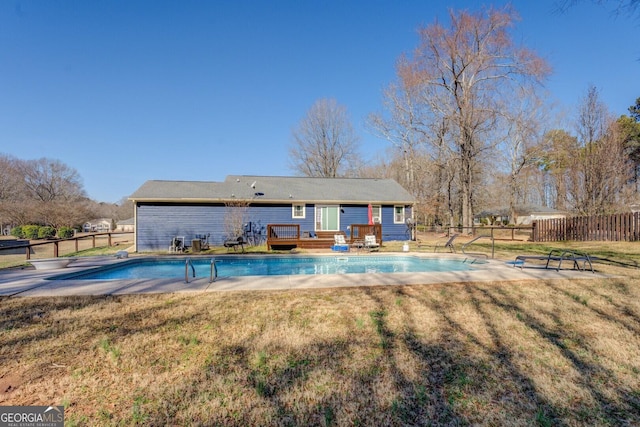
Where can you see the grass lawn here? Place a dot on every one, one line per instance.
(499, 353)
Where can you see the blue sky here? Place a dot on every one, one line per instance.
(125, 91)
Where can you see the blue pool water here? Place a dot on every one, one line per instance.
(161, 268)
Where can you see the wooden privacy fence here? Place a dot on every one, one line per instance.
(616, 227)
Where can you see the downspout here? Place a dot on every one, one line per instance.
(135, 225)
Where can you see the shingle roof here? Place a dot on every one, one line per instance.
(270, 189)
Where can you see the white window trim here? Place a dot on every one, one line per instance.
(293, 211)
(394, 214)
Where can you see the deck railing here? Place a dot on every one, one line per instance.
(283, 231)
(290, 235)
(282, 234)
(358, 231)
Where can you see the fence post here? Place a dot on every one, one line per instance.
(93, 238)
(533, 232)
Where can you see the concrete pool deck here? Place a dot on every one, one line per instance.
(28, 282)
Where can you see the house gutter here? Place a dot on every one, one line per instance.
(266, 201)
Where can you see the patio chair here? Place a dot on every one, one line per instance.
(443, 241)
(448, 244)
(177, 244)
(370, 243)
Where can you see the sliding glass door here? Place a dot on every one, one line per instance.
(328, 218)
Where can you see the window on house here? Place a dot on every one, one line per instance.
(298, 211)
(328, 218)
(398, 214)
(377, 214)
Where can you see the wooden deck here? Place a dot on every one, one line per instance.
(288, 236)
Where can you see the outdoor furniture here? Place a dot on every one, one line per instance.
(370, 243)
(443, 241)
(235, 243)
(177, 244)
(358, 245)
(339, 243)
(558, 255)
(448, 244)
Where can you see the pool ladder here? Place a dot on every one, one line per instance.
(213, 270)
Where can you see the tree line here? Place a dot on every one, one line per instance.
(47, 192)
(467, 126)
(469, 130)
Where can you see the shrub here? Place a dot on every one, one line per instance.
(30, 231)
(65, 232)
(17, 232)
(46, 232)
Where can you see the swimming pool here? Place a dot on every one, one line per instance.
(233, 266)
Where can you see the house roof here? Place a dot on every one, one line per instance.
(272, 189)
(98, 220)
(537, 210)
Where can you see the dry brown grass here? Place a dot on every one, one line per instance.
(530, 353)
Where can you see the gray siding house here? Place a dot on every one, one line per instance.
(190, 209)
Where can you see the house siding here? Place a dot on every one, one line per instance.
(158, 223)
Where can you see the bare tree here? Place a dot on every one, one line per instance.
(235, 217)
(459, 79)
(324, 143)
(601, 163)
(621, 7)
(55, 191)
(523, 145)
(557, 163)
(12, 191)
(49, 179)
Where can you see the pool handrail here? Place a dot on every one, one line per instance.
(188, 263)
(213, 271)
